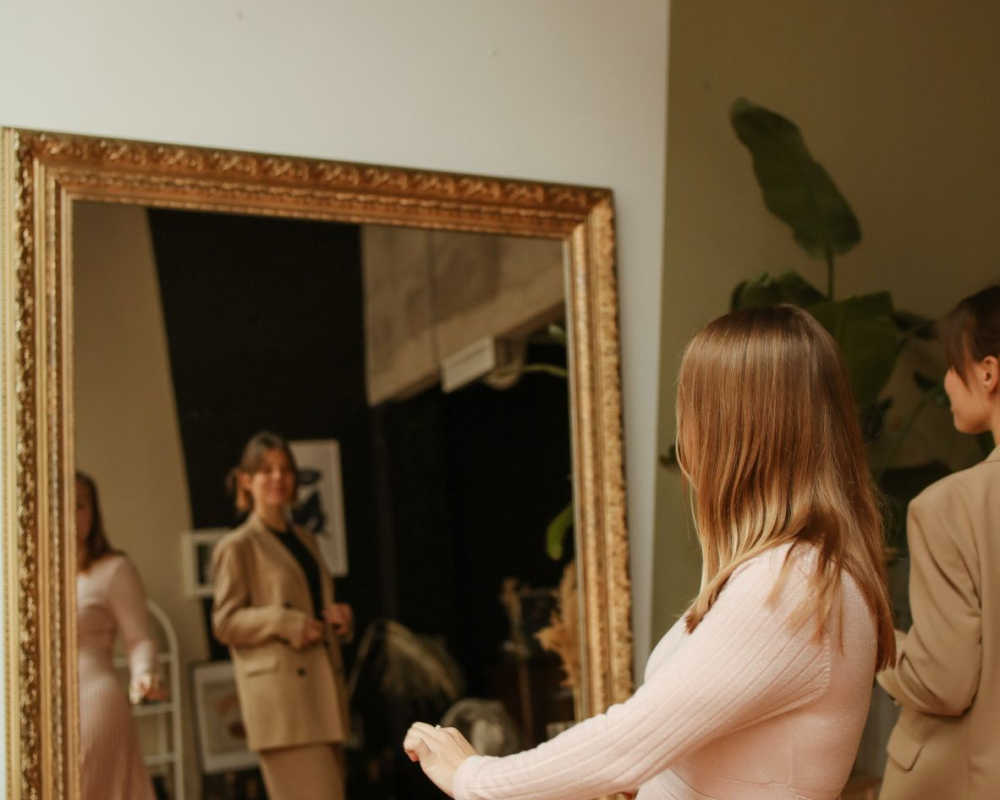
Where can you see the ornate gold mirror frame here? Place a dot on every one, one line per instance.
(42, 175)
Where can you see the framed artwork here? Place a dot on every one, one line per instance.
(320, 505)
(197, 559)
(222, 739)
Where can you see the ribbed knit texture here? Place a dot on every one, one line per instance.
(751, 706)
(110, 600)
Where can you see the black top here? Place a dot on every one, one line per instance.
(309, 566)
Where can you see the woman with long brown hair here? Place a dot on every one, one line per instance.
(761, 690)
(274, 607)
(110, 601)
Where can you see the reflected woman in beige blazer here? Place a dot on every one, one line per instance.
(946, 743)
(274, 607)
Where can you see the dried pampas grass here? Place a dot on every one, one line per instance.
(408, 664)
(562, 636)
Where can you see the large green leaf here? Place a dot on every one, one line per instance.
(796, 188)
(915, 325)
(900, 486)
(872, 419)
(867, 335)
(864, 327)
(768, 291)
(934, 388)
(555, 535)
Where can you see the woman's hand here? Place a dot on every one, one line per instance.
(312, 632)
(147, 689)
(340, 617)
(440, 752)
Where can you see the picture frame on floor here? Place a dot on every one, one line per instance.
(222, 739)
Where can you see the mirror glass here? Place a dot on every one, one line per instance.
(420, 379)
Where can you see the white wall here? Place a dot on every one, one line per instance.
(561, 90)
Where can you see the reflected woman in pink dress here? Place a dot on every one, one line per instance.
(110, 601)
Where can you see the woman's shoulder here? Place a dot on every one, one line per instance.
(114, 571)
(783, 579)
(108, 565)
(772, 562)
(238, 536)
(963, 486)
(780, 575)
(795, 566)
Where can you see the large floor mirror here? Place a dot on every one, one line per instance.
(440, 354)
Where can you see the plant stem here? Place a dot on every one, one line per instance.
(829, 274)
(904, 432)
(911, 334)
(548, 369)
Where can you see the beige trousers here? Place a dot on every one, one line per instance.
(306, 772)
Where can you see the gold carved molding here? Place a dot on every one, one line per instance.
(42, 174)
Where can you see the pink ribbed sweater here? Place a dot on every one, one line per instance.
(751, 706)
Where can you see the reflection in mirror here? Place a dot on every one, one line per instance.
(420, 379)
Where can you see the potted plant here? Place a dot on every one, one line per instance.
(872, 333)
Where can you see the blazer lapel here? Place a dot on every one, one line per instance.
(995, 455)
(269, 542)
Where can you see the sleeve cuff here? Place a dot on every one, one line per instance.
(290, 625)
(464, 775)
(887, 678)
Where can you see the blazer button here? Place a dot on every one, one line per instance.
(288, 605)
(302, 671)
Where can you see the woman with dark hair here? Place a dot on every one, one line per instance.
(274, 607)
(110, 601)
(947, 672)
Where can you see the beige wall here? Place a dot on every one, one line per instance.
(897, 99)
(126, 429)
(900, 101)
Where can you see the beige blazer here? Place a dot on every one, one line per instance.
(289, 695)
(946, 743)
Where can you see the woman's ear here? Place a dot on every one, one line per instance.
(989, 374)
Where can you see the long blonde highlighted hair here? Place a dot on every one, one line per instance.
(769, 442)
